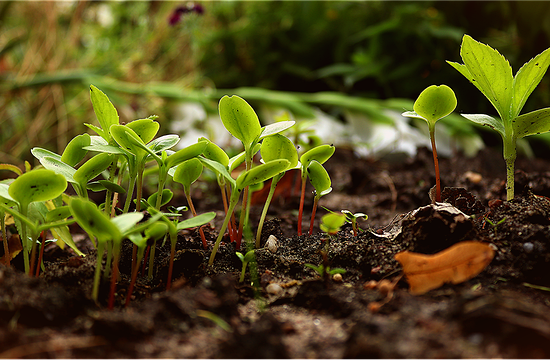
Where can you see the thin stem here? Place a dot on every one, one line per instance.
(510, 158)
(274, 182)
(5, 238)
(315, 201)
(40, 255)
(436, 165)
(234, 199)
(114, 277)
(152, 260)
(129, 194)
(242, 219)
(97, 275)
(301, 210)
(133, 281)
(190, 203)
(173, 240)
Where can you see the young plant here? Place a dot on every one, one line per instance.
(321, 154)
(186, 174)
(253, 176)
(332, 222)
(352, 218)
(320, 180)
(275, 147)
(491, 74)
(245, 259)
(34, 186)
(433, 104)
(240, 119)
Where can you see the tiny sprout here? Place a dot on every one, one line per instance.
(352, 218)
(332, 222)
(245, 259)
(433, 104)
(323, 271)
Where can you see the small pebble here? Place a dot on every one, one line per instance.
(528, 247)
(337, 277)
(272, 244)
(274, 289)
(474, 177)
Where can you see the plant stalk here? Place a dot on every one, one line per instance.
(436, 165)
(274, 182)
(301, 210)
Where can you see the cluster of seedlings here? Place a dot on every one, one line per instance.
(117, 159)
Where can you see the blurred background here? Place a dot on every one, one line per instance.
(350, 67)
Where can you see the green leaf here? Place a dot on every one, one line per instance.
(101, 185)
(163, 143)
(319, 153)
(63, 234)
(74, 151)
(104, 110)
(532, 123)
(59, 167)
(157, 230)
(214, 152)
(196, 221)
(127, 221)
(279, 147)
(58, 214)
(435, 102)
(146, 129)
(5, 197)
(276, 128)
(527, 79)
(261, 173)
(332, 222)
(37, 185)
(218, 168)
(188, 172)
(487, 120)
(240, 119)
(40, 153)
(93, 167)
(94, 221)
(186, 153)
(167, 195)
(490, 72)
(319, 178)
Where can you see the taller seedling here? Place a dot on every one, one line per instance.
(491, 73)
(433, 104)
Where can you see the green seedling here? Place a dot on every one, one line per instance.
(325, 271)
(253, 176)
(491, 74)
(353, 217)
(332, 222)
(240, 119)
(495, 224)
(245, 259)
(186, 174)
(153, 233)
(433, 104)
(109, 234)
(320, 180)
(275, 147)
(34, 186)
(321, 154)
(174, 227)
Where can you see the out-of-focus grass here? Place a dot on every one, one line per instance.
(51, 51)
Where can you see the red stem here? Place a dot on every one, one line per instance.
(313, 215)
(131, 287)
(145, 260)
(114, 276)
(41, 254)
(301, 210)
(436, 165)
(171, 267)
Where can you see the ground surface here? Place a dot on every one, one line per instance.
(292, 312)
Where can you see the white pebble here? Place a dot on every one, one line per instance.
(274, 289)
(337, 278)
(272, 244)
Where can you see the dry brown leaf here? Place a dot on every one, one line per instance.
(456, 264)
(14, 246)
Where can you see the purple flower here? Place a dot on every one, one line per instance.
(175, 17)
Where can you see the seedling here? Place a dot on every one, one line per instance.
(240, 119)
(353, 217)
(324, 270)
(186, 174)
(321, 154)
(275, 147)
(34, 186)
(491, 74)
(245, 259)
(433, 104)
(495, 224)
(320, 180)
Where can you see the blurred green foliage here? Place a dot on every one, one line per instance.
(50, 52)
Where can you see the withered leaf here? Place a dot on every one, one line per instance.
(14, 246)
(456, 264)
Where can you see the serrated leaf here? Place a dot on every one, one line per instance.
(487, 120)
(240, 119)
(492, 73)
(532, 123)
(74, 151)
(527, 79)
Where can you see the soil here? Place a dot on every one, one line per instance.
(284, 309)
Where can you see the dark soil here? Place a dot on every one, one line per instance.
(284, 309)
